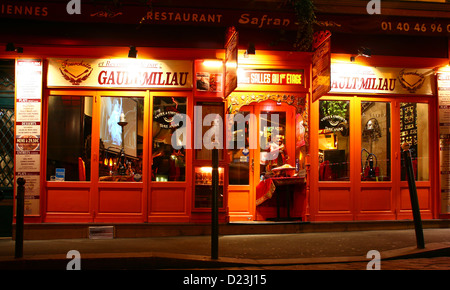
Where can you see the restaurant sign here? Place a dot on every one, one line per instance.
(354, 78)
(273, 77)
(119, 73)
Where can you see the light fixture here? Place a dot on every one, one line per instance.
(11, 47)
(132, 53)
(363, 51)
(250, 50)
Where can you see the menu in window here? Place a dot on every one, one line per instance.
(28, 130)
(444, 138)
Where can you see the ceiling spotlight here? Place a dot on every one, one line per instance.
(11, 47)
(132, 53)
(364, 51)
(250, 50)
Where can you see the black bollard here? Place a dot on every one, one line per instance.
(413, 196)
(19, 217)
(215, 205)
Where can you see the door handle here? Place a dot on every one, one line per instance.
(253, 165)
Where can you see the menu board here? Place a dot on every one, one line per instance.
(28, 130)
(444, 138)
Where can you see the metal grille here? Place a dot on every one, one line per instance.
(7, 126)
(6, 147)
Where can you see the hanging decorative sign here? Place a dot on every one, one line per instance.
(119, 73)
(354, 78)
(231, 60)
(321, 65)
(28, 130)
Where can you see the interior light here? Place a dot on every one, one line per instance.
(212, 63)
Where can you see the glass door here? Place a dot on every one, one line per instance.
(241, 131)
(262, 138)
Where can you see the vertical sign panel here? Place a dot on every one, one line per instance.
(444, 139)
(28, 130)
(321, 65)
(231, 60)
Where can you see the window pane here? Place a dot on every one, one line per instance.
(168, 162)
(69, 138)
(334, 141)
(121, 139)
(414, 130)
(210, 116)
(375, 141)
(272, 134)
(239, 152)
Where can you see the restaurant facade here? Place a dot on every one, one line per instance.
(103, 135)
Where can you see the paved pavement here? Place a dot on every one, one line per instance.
(326, 250)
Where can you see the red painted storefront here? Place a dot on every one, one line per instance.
(330, 165)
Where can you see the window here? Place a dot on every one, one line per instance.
(375, 141)
(210, 116)
(121, 139)
(334, 141)
(239, 151)
(414, 130)
(69, 138)
(168, 161)
(272, 134)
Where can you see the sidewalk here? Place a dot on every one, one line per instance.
(188, 252)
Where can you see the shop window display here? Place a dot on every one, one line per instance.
(69, 138)
(414, 130)
(168, 162)
(375, 141)
(121, 139)
(334, 141)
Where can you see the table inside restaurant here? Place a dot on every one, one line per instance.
(280, 187)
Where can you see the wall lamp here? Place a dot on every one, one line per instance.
(363, 51)
(132, 53)
(11, 47)
(250, 50)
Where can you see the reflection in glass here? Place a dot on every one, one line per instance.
(168, 162)
(121, 139)
(414, 130)
(334, 141)
(211, 116)
(239, 151)
(69, 138)
(375, 141)
(272, 134)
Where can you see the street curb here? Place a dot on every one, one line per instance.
(159, 260)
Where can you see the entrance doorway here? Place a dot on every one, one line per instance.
(269, 127)
(357, 160)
